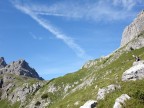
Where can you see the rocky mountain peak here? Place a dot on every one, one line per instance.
(133, 30)
(21, 63)
(20, 67)
(2, 62)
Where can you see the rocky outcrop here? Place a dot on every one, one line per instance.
(20, 67)
(95, 62)
(90, 63)
(90, 104)
(15, 82)
(136, 43)
(135, 72)
(120, 101)
(109, 89)
(2, 62)
(19, 93)
(133, 30)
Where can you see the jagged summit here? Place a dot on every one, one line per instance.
(134, 29)
(20, 67)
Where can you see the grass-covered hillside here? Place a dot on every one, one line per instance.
(95, 79)
(74, 89)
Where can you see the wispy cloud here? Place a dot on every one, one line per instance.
(100, 10)
(48, 26)
(36, 37)
(127, 4)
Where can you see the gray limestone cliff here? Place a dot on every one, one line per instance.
(133, 30)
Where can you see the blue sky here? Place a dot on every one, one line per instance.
(58, 36)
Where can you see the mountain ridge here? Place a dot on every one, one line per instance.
(20, 67)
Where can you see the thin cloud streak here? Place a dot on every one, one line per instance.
(127, 4)
(101, 10)
(59, 35)
(98, 11)
(35, 37)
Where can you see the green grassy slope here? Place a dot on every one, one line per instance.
(110, 74)
(83, 85)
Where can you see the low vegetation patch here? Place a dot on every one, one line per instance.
(37, 103)
(139, 95)
(44, 96)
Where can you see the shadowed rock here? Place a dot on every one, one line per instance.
(90, 104)
(1, 83)
(2, 62)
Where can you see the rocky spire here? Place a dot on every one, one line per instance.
(2, 62)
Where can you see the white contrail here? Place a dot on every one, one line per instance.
(44, 23)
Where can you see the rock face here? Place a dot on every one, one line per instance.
(90, 104)
(133, 30)
(120, 101)
(102, 92)
(19, 67)
(137, 43)
(2, 62)
(14, 93)
(135, 72)
(20, 93)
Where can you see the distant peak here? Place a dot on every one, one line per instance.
(20, 67)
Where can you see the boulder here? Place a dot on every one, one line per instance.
(90, 104)
(136, 72)
(102, 92)
(120, 101)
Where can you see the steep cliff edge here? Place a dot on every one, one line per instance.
(132, 38)
(133, 30)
